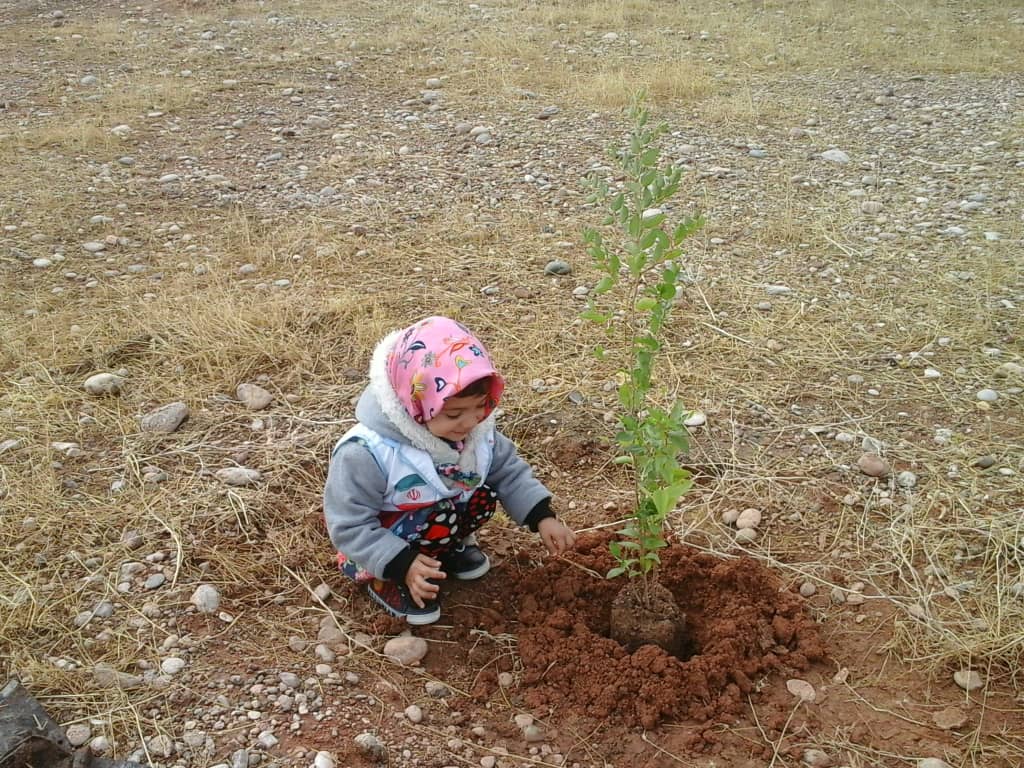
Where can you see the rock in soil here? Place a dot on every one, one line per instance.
(873, 465)
(801, 689)
(253, 396)
(407, 651)
(950, 718)
(968, 679)
(166, 418)
(104, 384)
(206, 598)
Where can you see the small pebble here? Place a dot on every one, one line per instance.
(988, 395)
(906, 479)
(558, 267)
(749, 518)
(746, 535)
(172, 665)
(238, 476)
(407, 651)
(414, 713)
(371, 745)
(968, 679)
(816, 758)
(78, 734)
(801, 689)
(104, 384)
(206, 598)
(873, 465)
(807, 589)
(253, 396)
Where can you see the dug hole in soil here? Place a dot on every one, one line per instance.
(741, 625)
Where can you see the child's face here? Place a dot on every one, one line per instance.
(458, 417)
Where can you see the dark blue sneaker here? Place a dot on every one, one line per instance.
(395, 599)
(466, 561)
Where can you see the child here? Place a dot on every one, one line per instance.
(423, 469)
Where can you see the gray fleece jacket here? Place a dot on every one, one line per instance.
(356, 486)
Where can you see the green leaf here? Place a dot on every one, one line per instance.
(615, 572)
(594, 316)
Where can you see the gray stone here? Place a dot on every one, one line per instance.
(370, 745)
(533, 733)
(414, 713)
(10, 445)
(103, 384)
(984, 462)
(558, 267)
(988, 395)
(289, 679)
(108, 677)
(253, 396)
(406, 651)
(968, 679)
(436, 689)
(807, 589)
(835, 156)
(746, 535)
(206, 598)
(238, 476)
(155, 581)
(161, 745)
(172, 665)
(873, 465)
(166, 418)
(749, 518)
(816, 758)
(78, 734)
(906, 479)
(267, 740)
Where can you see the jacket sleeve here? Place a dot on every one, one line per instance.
(353, 497)
(512, 479)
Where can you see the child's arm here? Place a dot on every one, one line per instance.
(353, 497)
(524, 497)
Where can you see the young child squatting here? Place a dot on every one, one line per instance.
(423, 469)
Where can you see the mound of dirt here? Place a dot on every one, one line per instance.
(741, 623)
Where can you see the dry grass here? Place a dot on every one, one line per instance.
(946, 554)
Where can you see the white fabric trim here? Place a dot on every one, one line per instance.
(417, 434)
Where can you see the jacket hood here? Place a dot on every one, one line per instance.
(380, 409)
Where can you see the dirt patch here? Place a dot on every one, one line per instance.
(742, 623)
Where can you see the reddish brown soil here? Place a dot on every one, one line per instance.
(742, 623)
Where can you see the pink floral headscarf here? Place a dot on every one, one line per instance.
(435, 359)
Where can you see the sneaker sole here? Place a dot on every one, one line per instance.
(476, 573)
(415, 619)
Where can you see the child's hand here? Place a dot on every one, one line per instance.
(557, 536)
(423, 568)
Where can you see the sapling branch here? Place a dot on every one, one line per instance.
(638, 288)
